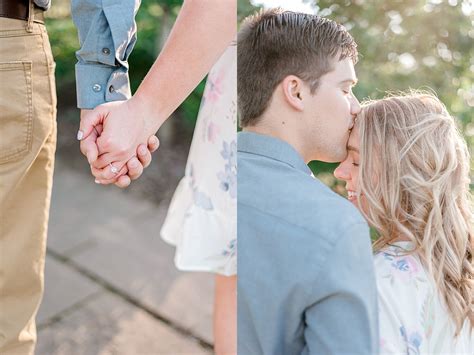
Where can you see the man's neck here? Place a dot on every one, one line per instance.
(286, 137)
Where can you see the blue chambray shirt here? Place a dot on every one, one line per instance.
(45, 4)
(306, 280)
(107, 35)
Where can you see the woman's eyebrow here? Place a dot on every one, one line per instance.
(350, 147)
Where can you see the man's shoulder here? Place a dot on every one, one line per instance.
(307, 241)
(293, 196)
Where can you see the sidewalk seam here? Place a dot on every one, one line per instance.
(127, 298)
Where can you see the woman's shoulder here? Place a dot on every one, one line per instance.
(401, 276)
(412, 315)
(396, 263)
(405, 298)
(401, 279)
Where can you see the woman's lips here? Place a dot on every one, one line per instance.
(351, 195)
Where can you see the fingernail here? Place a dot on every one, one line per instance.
(80, 134)
(97, 181)
(142, 150)
(89, 158)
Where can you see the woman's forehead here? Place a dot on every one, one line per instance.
(353, 143)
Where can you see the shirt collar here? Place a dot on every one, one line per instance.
(271, 147)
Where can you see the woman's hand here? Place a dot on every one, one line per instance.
(114, 137)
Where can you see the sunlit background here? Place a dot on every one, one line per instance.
(419, 44)
(154, 22)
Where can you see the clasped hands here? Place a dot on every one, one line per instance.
(117, 139)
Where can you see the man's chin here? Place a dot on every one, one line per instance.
(335, 157)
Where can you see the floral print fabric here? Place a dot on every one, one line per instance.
(202, 217)
(413, 318)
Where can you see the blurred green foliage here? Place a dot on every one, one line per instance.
(418, 44)
(154, 22)
(425, 44)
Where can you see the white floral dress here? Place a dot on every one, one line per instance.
(202, 217)
(413, 318)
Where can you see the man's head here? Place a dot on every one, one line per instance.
(295, 74)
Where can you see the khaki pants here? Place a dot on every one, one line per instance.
(27, 147)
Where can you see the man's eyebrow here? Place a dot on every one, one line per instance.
(354, 149)
(351, 81)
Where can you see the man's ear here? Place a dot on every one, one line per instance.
(292, 88)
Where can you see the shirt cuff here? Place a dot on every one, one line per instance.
(96, 84)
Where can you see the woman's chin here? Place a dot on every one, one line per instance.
(357, 203)
(353, 200)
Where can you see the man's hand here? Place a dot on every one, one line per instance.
(133, 168)
(126, 125)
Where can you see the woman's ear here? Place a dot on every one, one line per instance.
(292, 88)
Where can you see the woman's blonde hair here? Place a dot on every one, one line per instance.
(414, 173)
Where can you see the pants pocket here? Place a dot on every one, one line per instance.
(16, 110)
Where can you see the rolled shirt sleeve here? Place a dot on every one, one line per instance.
(107, 35)
(44, 4)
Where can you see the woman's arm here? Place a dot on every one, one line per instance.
(201, 33)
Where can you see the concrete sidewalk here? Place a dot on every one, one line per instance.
(111, 285)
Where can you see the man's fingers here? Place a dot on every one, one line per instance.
(89, 148)
(153, 143)
(144, 155)
(135, 168)
(90, 119)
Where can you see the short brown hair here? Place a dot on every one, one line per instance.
(273, 44)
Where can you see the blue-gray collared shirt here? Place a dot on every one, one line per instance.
(107, 34)
(45, 4)
(306, 280)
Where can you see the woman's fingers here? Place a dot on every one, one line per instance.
(110, 173)
(104, 160)
(131, 171)
(107, 168)
(123, 181)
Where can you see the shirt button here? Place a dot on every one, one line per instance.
(111, 89)
(106, 51)
(97, 87)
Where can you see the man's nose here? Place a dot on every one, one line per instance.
(355, 107)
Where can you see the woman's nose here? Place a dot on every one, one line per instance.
(341, 172)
